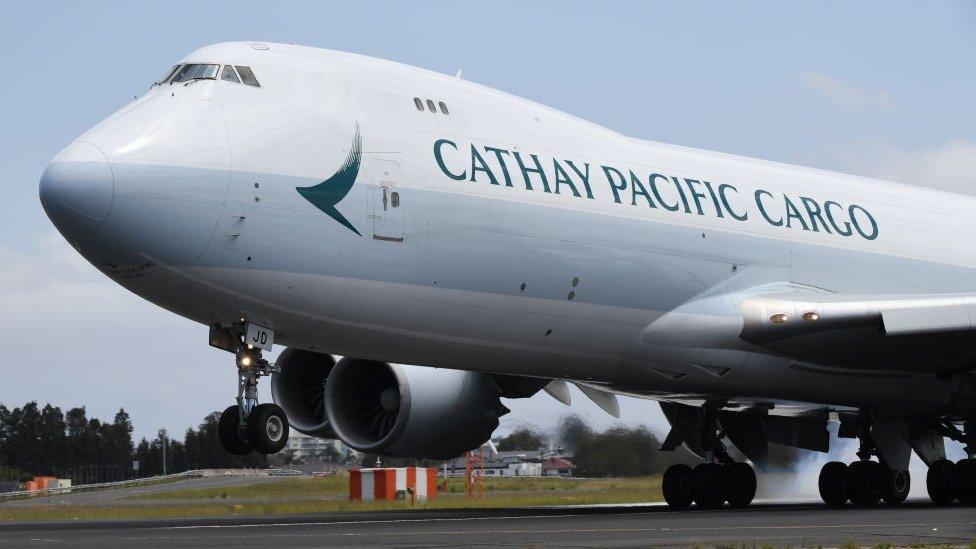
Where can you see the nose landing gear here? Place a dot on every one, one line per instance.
(247, 425)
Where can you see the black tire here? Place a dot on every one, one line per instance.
(740, 484)
(230, 435)
(865, 482)
(966, 481)
(833, 483)
(267, 428)
(941, 481)
(896, 486)
(707, 485)
(677, 486)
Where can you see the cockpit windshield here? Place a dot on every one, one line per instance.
(238, 74)
(196, 71)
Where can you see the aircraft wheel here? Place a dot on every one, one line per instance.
(941, 481)
(230, 434)
(966, 481)
(706, 481)
(866, 481)
(896, 487)
(677, 486)
(740, 484)
(267, 428)
(833, 483)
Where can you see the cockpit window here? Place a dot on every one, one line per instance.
(247, 76)
(229, 74)
(195, 71)
(169, 74)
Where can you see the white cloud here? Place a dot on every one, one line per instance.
(949, 167)
(845, 94)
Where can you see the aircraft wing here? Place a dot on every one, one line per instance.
(929, 332)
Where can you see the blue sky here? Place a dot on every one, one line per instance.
(884, 89)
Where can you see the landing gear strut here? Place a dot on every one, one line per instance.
(863, 482)
(247, 425)
(713, 483)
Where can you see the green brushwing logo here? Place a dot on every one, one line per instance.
(327, 194)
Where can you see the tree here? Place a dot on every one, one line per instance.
(24, 438)
(521, 439)
(4, 435)
(53, 441)
(117, 437)
(619, 452)
(80, 443)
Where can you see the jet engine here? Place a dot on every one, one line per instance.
(299, 388)
(411, 411)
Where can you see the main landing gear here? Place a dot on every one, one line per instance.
(247, 425)
(863, 482)
(948, 481)
(711, 484)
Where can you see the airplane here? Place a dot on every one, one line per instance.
(456, 245)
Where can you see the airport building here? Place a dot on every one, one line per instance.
(304, 446)
(515, 463)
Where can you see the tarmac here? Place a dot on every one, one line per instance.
(763, 524)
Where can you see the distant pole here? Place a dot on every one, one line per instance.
(165, 440)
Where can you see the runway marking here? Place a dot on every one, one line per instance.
(661, 529)
(372, 521)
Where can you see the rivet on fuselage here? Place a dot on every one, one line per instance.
(778, 318)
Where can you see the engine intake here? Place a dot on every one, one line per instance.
(411, 411)
(299, 388)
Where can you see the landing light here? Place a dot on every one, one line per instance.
(811, 316)
(778, 318)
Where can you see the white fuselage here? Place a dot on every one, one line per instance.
(504, 236)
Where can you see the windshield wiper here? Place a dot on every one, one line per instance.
(195, 78)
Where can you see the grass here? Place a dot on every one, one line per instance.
(287, 487)
(643, 488)
(312, 496)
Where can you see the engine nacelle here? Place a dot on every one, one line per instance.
(299, 388)
(411, 411)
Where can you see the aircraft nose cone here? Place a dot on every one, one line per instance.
(76, 189)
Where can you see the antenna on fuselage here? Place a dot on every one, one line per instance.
(458, 74)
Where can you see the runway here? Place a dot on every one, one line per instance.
(797, 525)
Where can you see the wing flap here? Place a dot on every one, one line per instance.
(928, 319)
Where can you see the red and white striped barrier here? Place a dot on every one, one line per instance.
(385, 483)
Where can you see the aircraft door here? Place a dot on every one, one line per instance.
(386, 202)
